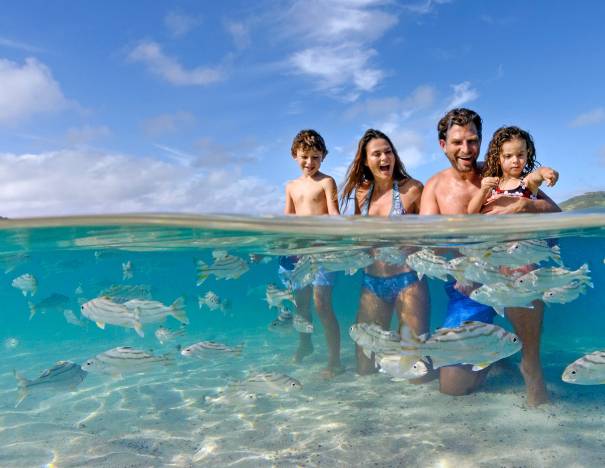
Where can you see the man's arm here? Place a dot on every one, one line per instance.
(428, 201)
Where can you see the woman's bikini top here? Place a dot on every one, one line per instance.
(397, 208)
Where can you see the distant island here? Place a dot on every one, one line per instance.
(582, 202)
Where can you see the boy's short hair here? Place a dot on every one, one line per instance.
(309, 140)
(459, 116)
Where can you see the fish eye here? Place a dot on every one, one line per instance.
(573, 372)
(515, 340)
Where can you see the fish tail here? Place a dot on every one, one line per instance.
(201, 277)
(22, 382)
(32, 309)
(138, 327)
(177, 310)
(556, 254)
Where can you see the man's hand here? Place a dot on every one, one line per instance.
(508, 205)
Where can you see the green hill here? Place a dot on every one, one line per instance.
(581, 202)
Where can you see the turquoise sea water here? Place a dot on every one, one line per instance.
(187, 414)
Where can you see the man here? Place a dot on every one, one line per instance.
(448, 193)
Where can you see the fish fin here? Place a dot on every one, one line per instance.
(408, 335)
(499, 310)
(201, 278)
(420, 275)
(139, 329)
(177, 310)
(480, 366)
(32, 310)
(22, 382)
(101, 325)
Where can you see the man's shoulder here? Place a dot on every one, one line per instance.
(443, 175)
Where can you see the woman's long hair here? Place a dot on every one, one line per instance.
(358, 173)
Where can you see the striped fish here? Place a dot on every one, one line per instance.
(426, 262)
(275, 297)
(102, 310)
(401, 367)
(64, 375)
(27, 283)
(225, 266)
(518, 253)
(348, 261)
(502, 295)
(123, 359)
(154, 311)
(302, 325)
(165, 334)
(472, 269)
(372, 338)
(121, 293)
(200, 349)
(271, 383)
(565, 294)
(552, 277)
(283, 322)
(588, 370)
(476, 343)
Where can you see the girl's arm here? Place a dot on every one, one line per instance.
(478, 200)
(534, 179)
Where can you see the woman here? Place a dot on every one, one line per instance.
(382, 187)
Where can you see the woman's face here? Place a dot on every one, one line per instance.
(380, 159)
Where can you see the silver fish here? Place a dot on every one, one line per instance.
(64, 375)
(225, 266)
(552, 277)
(127, 272)
(200, 349)
(588, 370)
(235, 397)
(476, 343)
(564, 294)
(54, 302)
(472, 269)
(302, 325)
(283, 323)
(11, 343)
(502, 295)
(165, 334)
(70, 317)
(519, 253)
(27, 283)
(304, 272)
(121, 293)
(271, 383)
(426, 262)
(154, 311)
(213, 302)
(275, 297)
(401, 367)
(124, 359)
(348, 261)
(102, 310)
(390, 255)
(373, 339)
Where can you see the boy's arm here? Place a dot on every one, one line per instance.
(332, 197)
(289, 209)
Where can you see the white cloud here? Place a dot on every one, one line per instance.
(6, 42)
(27, 90)
(240, 34)
(423, 97)
(165, 124)
(463, 93)
(87, 133)
(425, 6)
(593, 117)
(169, 69)
(83, 182)
(336, 67)
(179, 24)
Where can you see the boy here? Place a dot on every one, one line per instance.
(312, 194)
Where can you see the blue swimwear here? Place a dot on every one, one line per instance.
(461, 308)
(287, 265)
(388, 288)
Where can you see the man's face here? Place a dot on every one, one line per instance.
(461, 146)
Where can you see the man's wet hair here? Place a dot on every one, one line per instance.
(309, 140)
(459, 116)
(491, 167)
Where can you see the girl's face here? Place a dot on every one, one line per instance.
(380, 159)
(513, 157)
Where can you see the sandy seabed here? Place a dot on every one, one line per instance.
(185, 415)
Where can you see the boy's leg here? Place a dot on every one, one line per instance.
(322, 296)
(303, 308)
(371, 310)
(527, 324)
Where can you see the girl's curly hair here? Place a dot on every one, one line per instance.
(491, 167)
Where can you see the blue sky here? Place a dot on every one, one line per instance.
(175, 106)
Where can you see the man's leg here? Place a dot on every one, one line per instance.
(303, 308)
(527, 324)
(460, 380)
(371, 310)
(322, 296)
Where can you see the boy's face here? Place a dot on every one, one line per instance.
(309, 161)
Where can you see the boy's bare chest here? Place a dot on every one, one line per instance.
(308, 193)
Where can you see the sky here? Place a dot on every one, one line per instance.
(191, 106)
